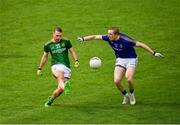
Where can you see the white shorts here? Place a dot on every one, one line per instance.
(61, 68)
(126, 62)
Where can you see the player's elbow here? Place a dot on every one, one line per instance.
(93, 37)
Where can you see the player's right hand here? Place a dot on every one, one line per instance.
(81, 39)
(38, 71)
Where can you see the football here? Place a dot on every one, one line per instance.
(95, 62)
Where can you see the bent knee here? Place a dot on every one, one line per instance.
(60, 89)
(116, 81)
(129, 79)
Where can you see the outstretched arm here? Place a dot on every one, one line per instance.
(42, 62)
(148, 49)
(91, 37)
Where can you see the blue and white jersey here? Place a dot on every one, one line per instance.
(123, 47)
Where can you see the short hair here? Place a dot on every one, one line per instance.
(115, 30)
(58, 29)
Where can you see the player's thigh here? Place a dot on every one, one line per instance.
(118, 73)
(58, 72)
(130, 71)
(60, 79)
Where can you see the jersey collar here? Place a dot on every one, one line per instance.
(55, 41)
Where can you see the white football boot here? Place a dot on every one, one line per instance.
(132, 99)
(125, 99)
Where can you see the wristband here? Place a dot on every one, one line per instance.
(154, 53)
(77, 60)
(82, 38)
(39, 68)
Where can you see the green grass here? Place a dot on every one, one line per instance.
(25, 25)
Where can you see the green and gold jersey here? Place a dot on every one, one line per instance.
(59, 52)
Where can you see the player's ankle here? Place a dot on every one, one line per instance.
(132, 92)
(125, 93)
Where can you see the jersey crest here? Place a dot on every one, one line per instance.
(63, 44)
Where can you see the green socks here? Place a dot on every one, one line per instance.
(49, 102)
(67, 87)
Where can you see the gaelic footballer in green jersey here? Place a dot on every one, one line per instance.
(60, 64)
(59, 52)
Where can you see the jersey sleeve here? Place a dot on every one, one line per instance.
(46, 48)
(105, 37)
(68, 44)
(129, 41)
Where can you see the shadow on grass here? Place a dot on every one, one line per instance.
(91, 106)
(116, 106)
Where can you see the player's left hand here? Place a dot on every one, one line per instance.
(159, 55)
(38, 71)
(76, 64)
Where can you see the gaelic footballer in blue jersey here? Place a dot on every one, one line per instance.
(126, 58)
